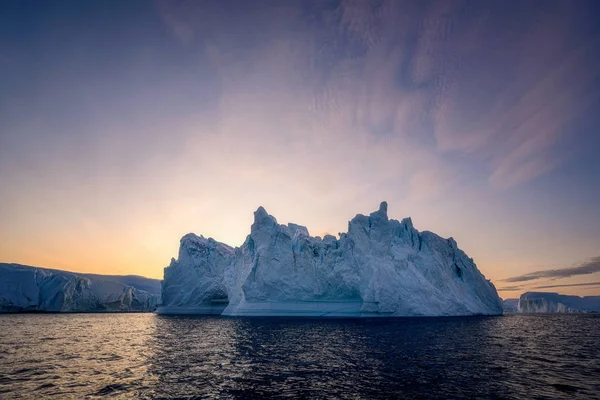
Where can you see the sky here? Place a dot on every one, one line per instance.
(125, 125)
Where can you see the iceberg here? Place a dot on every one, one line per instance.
(380, 267)
(32, 289)
(510, 305)
(546, 302)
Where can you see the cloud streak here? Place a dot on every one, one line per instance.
(413, 74)
(509, 288)
(591, 266)
(568, 285)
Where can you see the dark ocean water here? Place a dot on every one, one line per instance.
(150, 356)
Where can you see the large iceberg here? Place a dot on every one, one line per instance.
(546, 302)
(381, 267)
(29, 289)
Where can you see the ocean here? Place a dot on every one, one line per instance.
(514, 356)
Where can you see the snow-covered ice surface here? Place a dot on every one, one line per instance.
(149, 285)
(380, 267)
(543, 302)
(24, 288)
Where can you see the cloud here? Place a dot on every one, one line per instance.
(357, 95)
(318, 101)
(526, 287)
(541, 116)
(568, 285)
(508, 106)
(171, 18)
(591, 266)
(509, 288)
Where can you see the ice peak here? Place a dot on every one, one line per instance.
(452, 243)
(262, 218)
(382, 212)
(383, 208)
(260, 213)
(191, 237)
(298, 229)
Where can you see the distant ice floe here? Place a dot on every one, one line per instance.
(542, 302)
(31, 289)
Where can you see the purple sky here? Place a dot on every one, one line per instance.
(124, 125)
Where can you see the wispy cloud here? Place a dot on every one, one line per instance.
(591, 266)
(527, 287)
(538, 91)
(509, 288)
(408, 73)
(568, 285)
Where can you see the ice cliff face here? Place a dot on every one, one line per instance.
(381, 267)
(24, 288)
(542, 302)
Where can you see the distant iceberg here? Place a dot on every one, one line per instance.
(510, 305)
(543, 302)
(30, 289)
(381, 267)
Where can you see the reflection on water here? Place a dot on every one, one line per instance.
(149, 356)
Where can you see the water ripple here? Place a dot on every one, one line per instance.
(150, 356)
